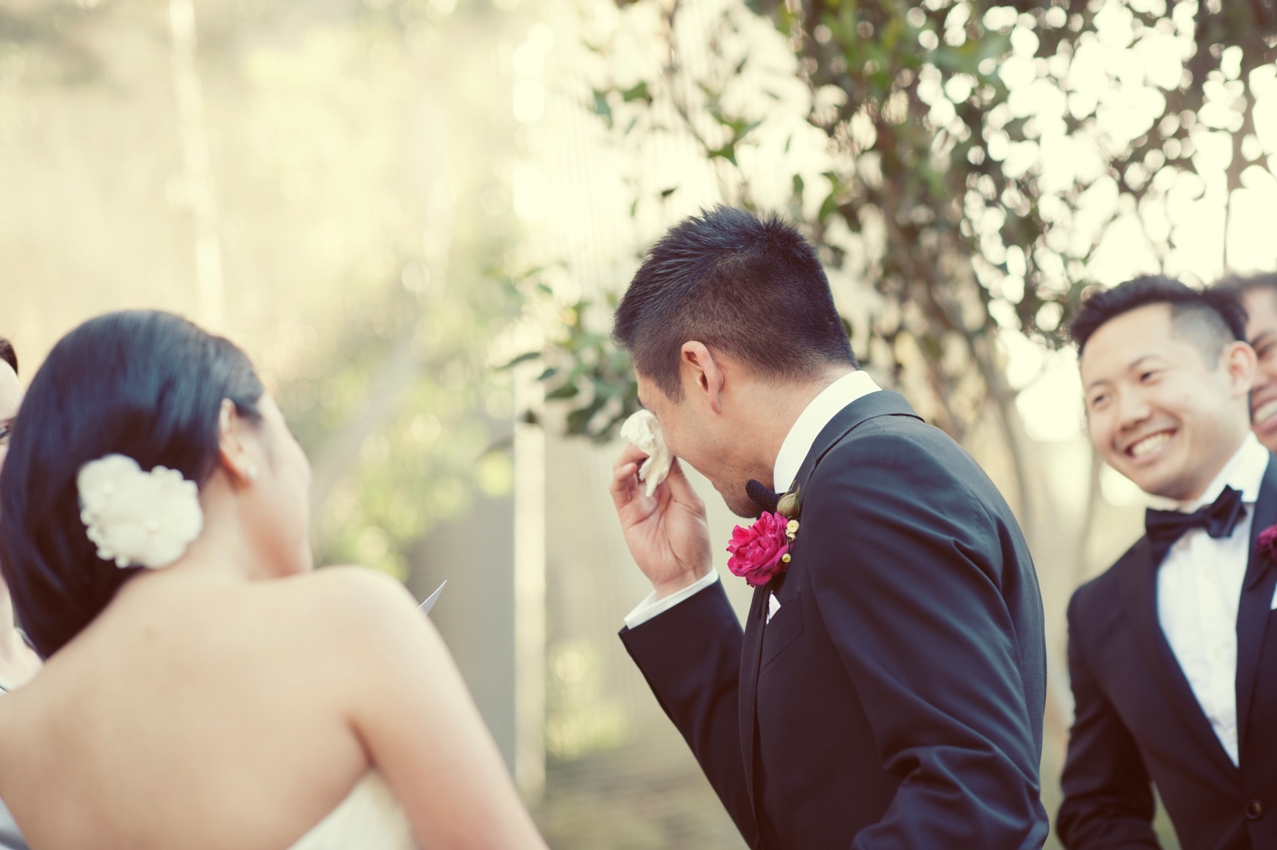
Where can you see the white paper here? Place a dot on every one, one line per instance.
(644, 432)
(425, 607)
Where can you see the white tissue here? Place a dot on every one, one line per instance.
(644, 432)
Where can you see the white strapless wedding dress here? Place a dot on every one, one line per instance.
(370, 818)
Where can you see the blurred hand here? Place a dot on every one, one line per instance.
(666, 532)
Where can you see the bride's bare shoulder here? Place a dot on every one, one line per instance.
(361, 625)
(348, 588)
(346, 601)
(353, 584)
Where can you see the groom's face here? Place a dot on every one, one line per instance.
(702, 441)
(1158, 410)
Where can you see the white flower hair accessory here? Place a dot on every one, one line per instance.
(138, 518)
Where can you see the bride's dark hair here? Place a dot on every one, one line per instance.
(141, 383)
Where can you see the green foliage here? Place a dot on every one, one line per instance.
(599, 376)
(581, 369)
(440, 436)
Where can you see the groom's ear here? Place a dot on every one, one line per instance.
(702, 374)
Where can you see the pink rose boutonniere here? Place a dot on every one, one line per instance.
(761, 551)
(1268, 542)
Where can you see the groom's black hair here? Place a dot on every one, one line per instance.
(746, 285)
(1212, 318)
(144, 384)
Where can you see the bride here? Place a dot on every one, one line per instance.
(204, 687)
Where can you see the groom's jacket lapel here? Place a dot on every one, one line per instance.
(863, 409)
(751, 652)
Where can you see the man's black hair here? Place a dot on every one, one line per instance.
(746, 285)
(1212, 318)
(8, 355)
(1240, 285)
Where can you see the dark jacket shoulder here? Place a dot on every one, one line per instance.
(902, 457)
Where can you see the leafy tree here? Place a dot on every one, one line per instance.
(940, 120)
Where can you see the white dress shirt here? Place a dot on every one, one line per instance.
(1199, 587)
(798, 442)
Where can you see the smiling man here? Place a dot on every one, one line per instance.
(1173, 666)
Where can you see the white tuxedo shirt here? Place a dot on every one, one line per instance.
(1199, 588)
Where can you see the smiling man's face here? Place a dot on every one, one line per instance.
(1159, 411)
(1261, 330)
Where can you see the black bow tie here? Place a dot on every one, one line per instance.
(765, 497)
(1219, 519)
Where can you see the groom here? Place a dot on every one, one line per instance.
(887, 689)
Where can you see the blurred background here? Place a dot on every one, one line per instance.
(416, 215)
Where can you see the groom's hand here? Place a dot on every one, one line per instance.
(666, 532)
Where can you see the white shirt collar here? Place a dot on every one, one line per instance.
(1243, 472)
(815, 416)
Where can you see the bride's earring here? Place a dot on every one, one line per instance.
(251, 472)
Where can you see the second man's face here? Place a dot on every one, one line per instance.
(1261, 330)
(1157, 411)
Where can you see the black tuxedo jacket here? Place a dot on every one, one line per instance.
(1137, 719)
(896, 698)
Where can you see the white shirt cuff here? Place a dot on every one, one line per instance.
(651, 606)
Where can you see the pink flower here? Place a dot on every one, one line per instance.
(759, 551)
(1268, 541)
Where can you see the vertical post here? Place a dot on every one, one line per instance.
(211, 298)
(529, 588)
